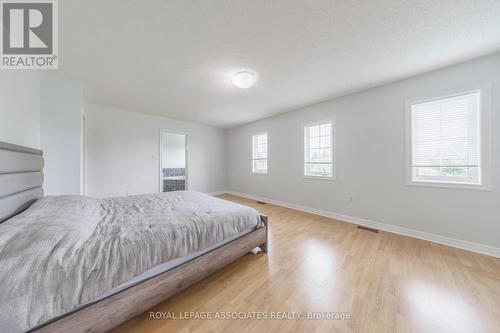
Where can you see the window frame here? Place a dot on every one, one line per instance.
(484, 139)
(333, 142)
(267, 158)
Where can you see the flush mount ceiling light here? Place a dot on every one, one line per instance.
(244, 79)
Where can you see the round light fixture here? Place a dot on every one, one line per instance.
(244, 79)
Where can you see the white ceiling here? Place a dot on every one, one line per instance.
(176, 58)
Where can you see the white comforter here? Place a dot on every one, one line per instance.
(68, 250)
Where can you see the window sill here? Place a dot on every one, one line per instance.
(456, 186)
(260, 173)
(319, 178)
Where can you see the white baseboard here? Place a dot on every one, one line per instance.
(453, 242)
(217, 192)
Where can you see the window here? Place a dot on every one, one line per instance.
(446, 140)
(318, 150)
(259, 153)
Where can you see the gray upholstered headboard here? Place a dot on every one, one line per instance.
(21, 178)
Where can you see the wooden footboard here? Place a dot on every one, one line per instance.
(110, 312)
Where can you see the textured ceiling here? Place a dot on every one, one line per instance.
(176, 58)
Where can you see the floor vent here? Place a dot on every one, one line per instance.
(261, 202)
(367, 229)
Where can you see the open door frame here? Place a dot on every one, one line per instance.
(186, 158)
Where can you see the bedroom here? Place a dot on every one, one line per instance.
(250, 166)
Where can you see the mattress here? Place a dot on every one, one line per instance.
(68, 251)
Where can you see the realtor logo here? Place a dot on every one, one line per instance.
(29, 34)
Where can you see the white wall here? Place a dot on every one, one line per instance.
(43, 111)
(20, 108)
(61, 105)
(371, 160)
(123, 153)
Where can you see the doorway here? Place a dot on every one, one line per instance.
(173, 162)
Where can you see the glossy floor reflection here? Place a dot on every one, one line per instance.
(436, 308)
(387, 283)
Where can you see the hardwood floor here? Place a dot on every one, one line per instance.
(386, 282)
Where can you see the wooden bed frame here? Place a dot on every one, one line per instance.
(108, 313)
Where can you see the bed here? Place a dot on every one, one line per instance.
(80, 264)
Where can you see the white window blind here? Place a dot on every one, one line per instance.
(446, 141)
(259, 153)
(318, 149)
